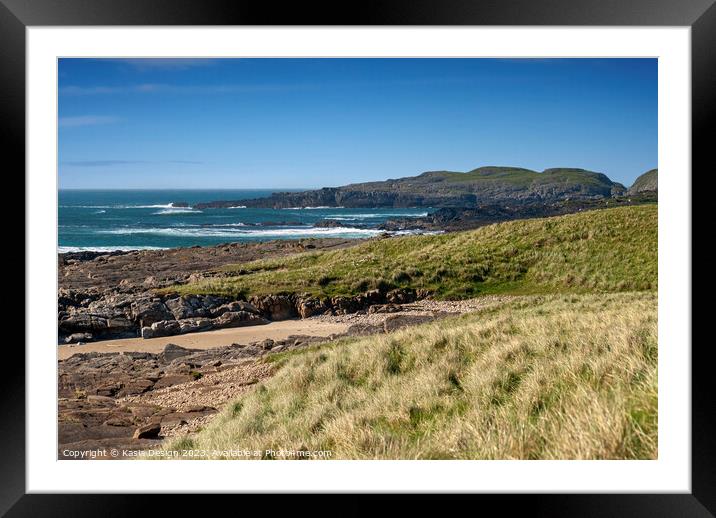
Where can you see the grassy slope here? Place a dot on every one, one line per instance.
(536, 377)
(605, 250)
(553, 376)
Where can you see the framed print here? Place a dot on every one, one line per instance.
(439, 250)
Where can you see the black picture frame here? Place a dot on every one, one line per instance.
(700, 15)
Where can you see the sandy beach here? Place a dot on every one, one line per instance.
(209, 339)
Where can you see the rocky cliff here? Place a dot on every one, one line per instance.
(649, 181)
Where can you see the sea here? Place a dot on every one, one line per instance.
(104, 220)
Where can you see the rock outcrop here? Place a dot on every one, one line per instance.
(87, 316)
(106, 295)
(648, 182)
(465, 218)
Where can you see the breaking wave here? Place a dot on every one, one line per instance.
(66, 249)
(177, 210)
(237, 231)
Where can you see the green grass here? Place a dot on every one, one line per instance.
(597, 251)
(532, 377)
(489, 177)
(522, 177)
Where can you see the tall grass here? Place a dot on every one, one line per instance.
(534, 377)
(597, 251)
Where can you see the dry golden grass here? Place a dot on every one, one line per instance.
(535, 377)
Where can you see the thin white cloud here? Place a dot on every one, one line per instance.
(109, 163)
(85, 120)
(167, 63)
(89, 90)
(235, 88)
(150, 88)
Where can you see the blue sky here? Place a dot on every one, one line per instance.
(303, 123)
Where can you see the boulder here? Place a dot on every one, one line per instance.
(275, 307)
(235, 306)
(78, 337)
(145, 312)
(192, 325)
(162, 328)
(307, 306)
(118, 324)
(179, 307)
(344, 305)
(238, 319)
(80, 322)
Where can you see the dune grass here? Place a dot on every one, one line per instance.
(564, 369)
(534, 377)
(597, 251)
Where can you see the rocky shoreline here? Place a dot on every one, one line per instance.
(105, 295)
(149, 315)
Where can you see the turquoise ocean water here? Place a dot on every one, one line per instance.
(133, 219)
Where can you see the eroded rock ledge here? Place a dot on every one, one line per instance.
(86, 316)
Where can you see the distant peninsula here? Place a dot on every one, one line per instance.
(448, 189)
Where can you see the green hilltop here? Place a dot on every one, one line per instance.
(517, 176)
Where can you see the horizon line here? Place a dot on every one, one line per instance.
(182, 188)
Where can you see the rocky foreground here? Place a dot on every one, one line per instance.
(132, 401)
